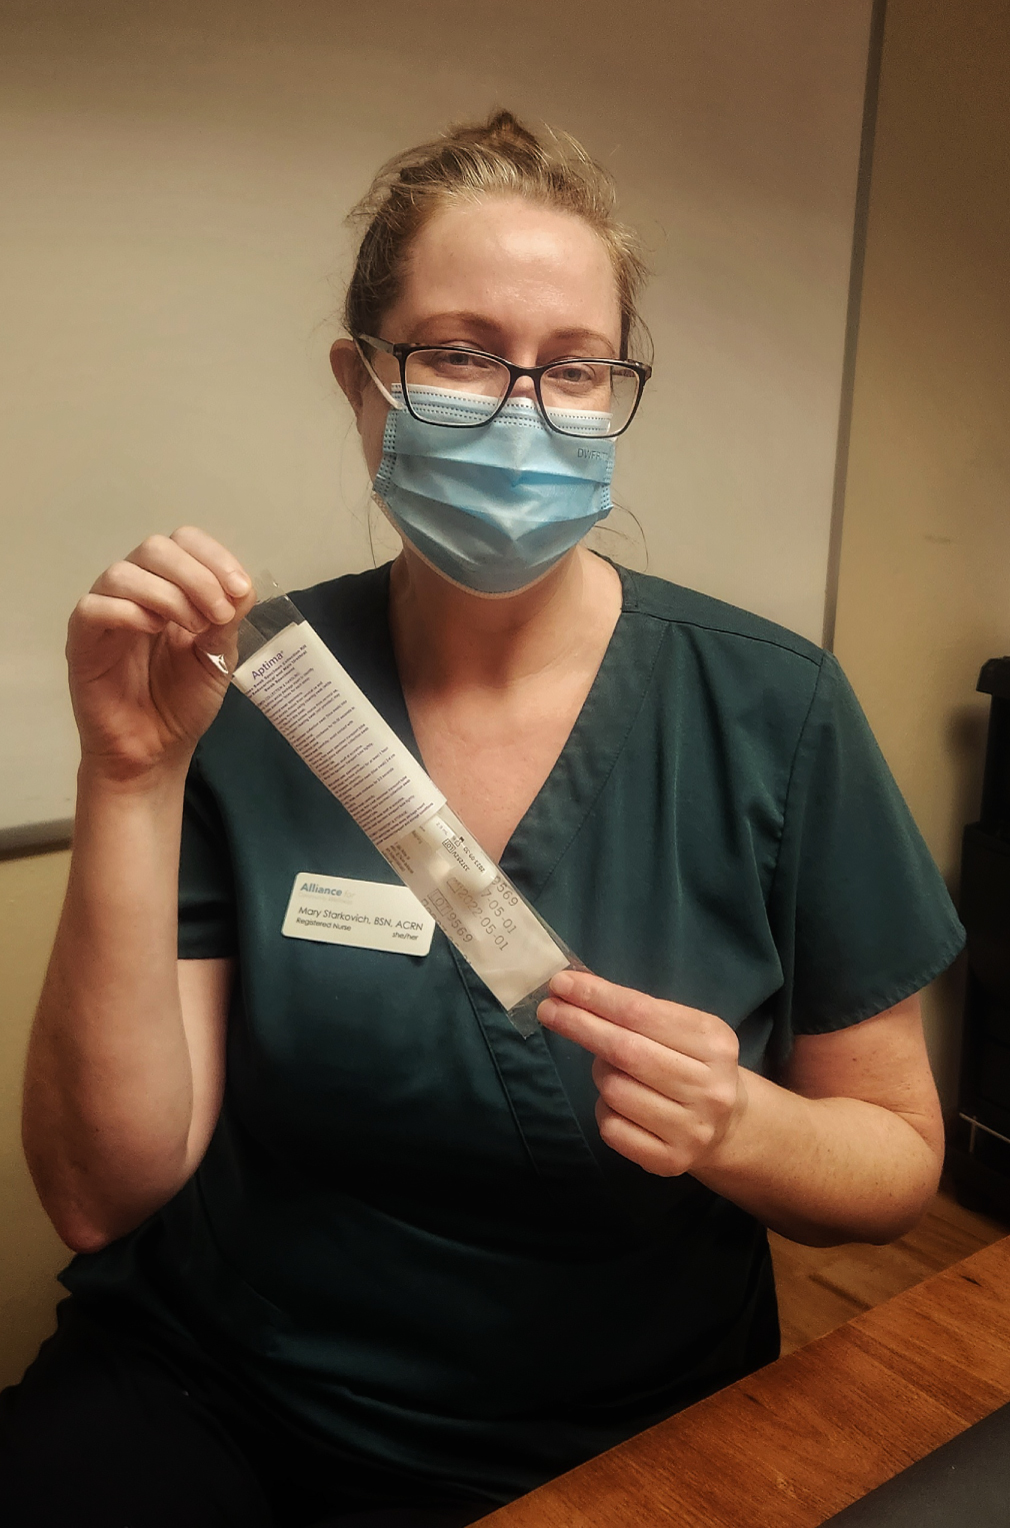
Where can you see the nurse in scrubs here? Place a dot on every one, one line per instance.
(348, 1248)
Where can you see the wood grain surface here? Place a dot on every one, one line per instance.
(797, 1441)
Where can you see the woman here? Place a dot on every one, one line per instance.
(346, 1241)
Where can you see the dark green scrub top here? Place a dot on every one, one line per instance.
(407, 1235)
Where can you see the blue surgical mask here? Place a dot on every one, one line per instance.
(493, 508)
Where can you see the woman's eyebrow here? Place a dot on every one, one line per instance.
(458, 319)
(585, 338)
(577, 339)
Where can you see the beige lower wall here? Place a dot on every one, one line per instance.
(924, 593)
(31, 891)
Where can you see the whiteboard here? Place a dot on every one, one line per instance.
(174, 183)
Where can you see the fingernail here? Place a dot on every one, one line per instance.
(547, 1011)
(237, 583)
(563, 983)
(223, 611)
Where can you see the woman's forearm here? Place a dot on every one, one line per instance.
(108, 1087)
(823, 1170)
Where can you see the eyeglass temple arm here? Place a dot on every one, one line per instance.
(384, 345)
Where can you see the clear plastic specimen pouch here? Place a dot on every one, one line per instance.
(290, 674)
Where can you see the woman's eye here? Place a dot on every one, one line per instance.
(456, 361)
(578, 375)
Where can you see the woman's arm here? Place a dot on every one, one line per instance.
(850, 1150)
(866, 1101)
(125, 1061)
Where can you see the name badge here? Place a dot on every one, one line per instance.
(370, 915)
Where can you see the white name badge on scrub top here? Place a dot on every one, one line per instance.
(371, 915)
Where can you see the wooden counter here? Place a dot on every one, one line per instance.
(797, 1441)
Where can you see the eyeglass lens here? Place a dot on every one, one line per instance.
(457, 387)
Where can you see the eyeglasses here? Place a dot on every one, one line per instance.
(463, 389)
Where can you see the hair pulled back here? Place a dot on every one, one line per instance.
(499, 157)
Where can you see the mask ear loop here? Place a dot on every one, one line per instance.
(394, 403)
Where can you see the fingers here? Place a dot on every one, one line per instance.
(233, 578)
(688, 1030)
(649, 1016)
(663, 1116)
(662, 1134)
(650, 1062)
(112, 614)
(208, 575)
(188, 578)
(638, 1145)
(161, 596)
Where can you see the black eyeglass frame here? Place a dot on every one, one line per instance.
(402, 353)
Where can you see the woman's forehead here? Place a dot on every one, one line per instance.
(504, 254)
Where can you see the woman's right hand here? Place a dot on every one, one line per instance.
(143, 688)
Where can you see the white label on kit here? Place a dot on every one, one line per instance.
(476, 907)
(331, 724)
(371, 915)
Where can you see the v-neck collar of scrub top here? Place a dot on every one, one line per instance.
(533, 1071)
(587, 757)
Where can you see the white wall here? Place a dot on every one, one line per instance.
(173, 189)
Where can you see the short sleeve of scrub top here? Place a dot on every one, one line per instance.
(407, 1233)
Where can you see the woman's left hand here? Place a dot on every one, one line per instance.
(671, 1090)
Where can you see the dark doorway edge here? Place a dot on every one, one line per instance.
(859, 226)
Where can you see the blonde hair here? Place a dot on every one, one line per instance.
(499, 157)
